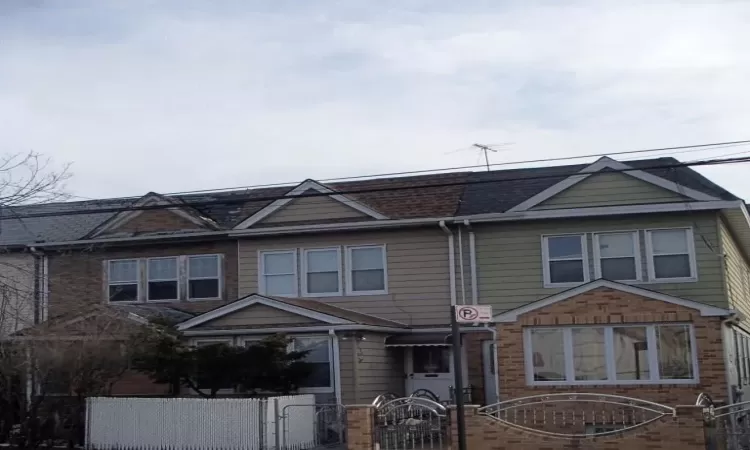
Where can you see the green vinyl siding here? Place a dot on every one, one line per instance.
(509, 257)
(737, 272)
(609, 189)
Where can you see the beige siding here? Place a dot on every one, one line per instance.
(16, 292)
(313, 208)
(260, 316)
(737, 272)
(379, 369)
(509, 257)
(417, 263)
(347, 349)
(607, 189)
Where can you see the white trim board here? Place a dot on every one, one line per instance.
(609, 163)
(297, 192)
(705, 310)
(255, 299)
(150, 199)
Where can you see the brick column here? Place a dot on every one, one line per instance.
(360, 428)
(689, 432)
(473, 427)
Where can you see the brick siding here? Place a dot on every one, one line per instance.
(607, 306)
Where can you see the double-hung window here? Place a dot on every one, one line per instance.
(122, 278)
(617, 256)
(318, 355)
(565, 260)
(321, 272)
(163, 279)
(279, 273)
(671, 254)
(366, 270)
(627, 354)
(204, 277)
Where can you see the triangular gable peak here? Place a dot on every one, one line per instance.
(300, 193)
(185, 216)
(601, 166)
(259, 300)
(705, 310)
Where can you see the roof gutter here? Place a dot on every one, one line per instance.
(326, 329)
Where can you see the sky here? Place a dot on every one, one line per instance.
(185, 95)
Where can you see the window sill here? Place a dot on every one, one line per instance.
(359, 293)
(324, 294)
(172, 300)
(565, 285)
(207, 299)
(316, 390)
(605, 383)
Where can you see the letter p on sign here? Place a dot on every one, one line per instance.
(473, 314)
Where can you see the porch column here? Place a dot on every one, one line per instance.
(360, 428)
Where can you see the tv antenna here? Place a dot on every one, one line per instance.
(485, 149)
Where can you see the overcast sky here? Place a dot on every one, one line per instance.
(181, 95)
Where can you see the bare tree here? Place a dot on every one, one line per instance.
(31, 178)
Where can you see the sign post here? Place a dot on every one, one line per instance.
(463, 314)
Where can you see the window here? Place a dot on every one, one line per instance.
(565, 260)
(617, 257)
(163, 279)
(431, 359)
(322, 272)
(319, 357)
(204, 277)
(366, 273)
(279, 273)
(123, 280)
(671, 254)
(640, 354)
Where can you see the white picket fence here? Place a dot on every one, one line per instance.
(199, 424)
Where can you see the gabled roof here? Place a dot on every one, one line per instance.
(311, 309)
(300, 190)
(153, 199)
(603, 164)
(704, 309)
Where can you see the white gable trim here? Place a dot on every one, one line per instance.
(609, 163)
(256, 299)
(124, 217)
(705, 310)
(301, 189)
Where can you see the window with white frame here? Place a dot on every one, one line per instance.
(318, 355)
(204, 277)
(627, 354)
(617, 256)
(279, 273)
(366, 270)
(162, 283)
(671, 254)
(122, 278)
(565, 260)
(322, 272)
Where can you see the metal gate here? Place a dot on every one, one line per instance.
(728, 427)
(313, 426)
(411, 423)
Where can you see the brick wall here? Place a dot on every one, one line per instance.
(475, 363)
(607, 306)
(360, 427)
(76, 276)
(684, 431)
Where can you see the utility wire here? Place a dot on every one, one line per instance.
(704, 147)
(244, 199)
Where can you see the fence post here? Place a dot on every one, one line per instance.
(278, 417)
(360, 432)
(470, 413)
(689, 432)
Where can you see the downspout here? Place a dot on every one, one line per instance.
(473, 263)
(451, 261)
(38, 284)
(461, 264)
(733, 390)
(355, 367)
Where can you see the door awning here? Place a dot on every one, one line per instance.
(419, 339)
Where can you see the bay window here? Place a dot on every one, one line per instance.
(565, 260)
(625, 354)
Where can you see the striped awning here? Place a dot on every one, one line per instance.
(419, 339)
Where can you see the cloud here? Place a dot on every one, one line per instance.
(171, 96)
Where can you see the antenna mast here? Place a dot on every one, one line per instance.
(485, 149)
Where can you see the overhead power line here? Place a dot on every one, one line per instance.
(698, 147)
(244, 199)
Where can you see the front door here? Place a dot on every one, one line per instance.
(431, 368)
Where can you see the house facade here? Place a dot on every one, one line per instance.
(607, 277)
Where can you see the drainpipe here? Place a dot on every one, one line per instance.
(451, 261)
(461, 264)
(38, 284)
(336, 365)
(355, 366)
(733, 389)
(473, 263)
